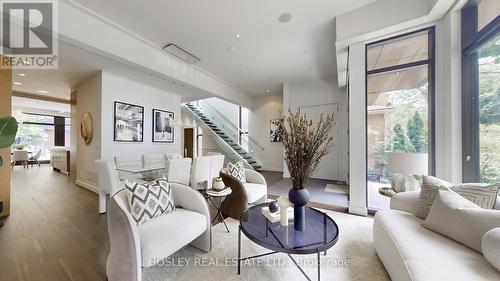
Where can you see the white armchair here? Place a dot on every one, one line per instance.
(134, 247)
(108, 180)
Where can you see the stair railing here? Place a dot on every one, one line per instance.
(231, 154)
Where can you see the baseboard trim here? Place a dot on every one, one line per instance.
(360, 211)
(87, 186)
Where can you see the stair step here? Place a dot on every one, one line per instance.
(252, 162)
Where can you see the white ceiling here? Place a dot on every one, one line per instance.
(76, 65)
(27, 105)
(267, 52)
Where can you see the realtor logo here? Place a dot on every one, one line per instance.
(28, 35)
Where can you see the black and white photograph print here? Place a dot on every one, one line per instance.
(163, 126)
(129, 122)
(276, 130)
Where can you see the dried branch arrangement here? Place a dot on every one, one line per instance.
(305, 144)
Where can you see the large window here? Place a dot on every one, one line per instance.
(481, 91)
(42, 132)
(399, 106)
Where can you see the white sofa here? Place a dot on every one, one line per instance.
(134, 247)
(410, 251)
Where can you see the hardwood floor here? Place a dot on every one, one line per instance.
(54, 231)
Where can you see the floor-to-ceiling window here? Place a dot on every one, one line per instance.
(399, 95)
(481, 91)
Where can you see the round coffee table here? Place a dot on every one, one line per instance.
(320, 234)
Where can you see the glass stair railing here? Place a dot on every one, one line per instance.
(225, 134)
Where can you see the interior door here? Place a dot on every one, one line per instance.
(188, 142)
(329, 165)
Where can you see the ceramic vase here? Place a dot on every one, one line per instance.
(299, 198)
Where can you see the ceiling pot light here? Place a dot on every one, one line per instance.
(285, 17)
(18, 83)
(238, 35)
(268, 90)
(232, 48)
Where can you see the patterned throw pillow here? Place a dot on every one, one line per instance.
(428, 193)
(147, 201)
(483, 195)
(237, 170)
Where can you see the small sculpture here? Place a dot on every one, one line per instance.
(274, 207)
(284, 204)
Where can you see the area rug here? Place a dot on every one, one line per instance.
(337, 188)
(352, 258)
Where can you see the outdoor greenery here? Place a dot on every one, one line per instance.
(489, 111)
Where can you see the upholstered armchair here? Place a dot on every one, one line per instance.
(252, 192)
(134, 247)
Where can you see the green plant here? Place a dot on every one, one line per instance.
(8, 131)
(305, 144)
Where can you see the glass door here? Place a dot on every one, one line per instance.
(399, 110)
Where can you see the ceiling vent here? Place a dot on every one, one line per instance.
(180, 53)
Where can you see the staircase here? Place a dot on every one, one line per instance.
(225, 137)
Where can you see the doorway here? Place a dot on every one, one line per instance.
(189, 142)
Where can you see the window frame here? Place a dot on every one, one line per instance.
(472, 41)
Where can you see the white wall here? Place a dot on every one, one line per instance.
(88, 99)
(311, 93)
(266, 107)
(97, 95)
(229, 110)
(115, 88)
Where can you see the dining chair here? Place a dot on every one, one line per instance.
(178, 170)
(155, 159)
(35, 159)
(200, 172)
(20, 156)
(215, 168)
(108, 181)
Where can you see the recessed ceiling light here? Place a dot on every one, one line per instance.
(232, 48)
(268, 90)
(42, 91)
(22, 74)
(152, 75)
(284, 18)
(17, 83)
(238, 35)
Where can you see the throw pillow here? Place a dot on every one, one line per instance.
(428, 192)
(461, 220)
(490, 244)
(483, 195)
(147, 201)
(237, 170)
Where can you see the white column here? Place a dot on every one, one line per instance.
(357, 130)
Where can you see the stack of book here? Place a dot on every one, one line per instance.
(222, 192)
(275, 217)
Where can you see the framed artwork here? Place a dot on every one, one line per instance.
(276, 130)
(163, 126)
(129, 122)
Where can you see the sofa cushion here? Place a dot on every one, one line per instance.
(147, 201)
(483, 195)
(409, 251)
(255, 191)
(461, 220)
(490, 244)
(160, 237)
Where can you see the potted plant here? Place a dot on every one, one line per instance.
(305, 144)
(8, 131)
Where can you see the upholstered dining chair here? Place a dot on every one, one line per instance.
(135, 247)
(243, 195)
(215, 167)
(108, 181)
(20, 156)
(155, 159)
(200, 171)
(179, 170)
